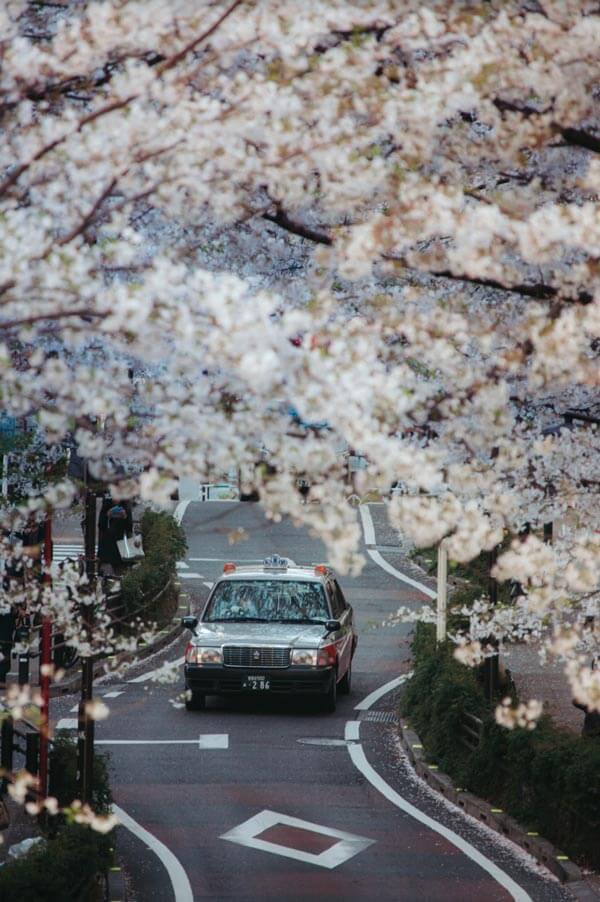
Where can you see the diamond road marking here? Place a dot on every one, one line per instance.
(345, 847)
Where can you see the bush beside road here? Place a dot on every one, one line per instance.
(547, 778)
(71, 860)
(145, 590)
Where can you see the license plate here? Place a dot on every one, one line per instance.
(258, 683)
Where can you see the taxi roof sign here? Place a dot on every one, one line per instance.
(276, 562)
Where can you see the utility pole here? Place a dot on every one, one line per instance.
(45, 664)
(442, 591)
(85, 725)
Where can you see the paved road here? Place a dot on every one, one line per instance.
(282, 771)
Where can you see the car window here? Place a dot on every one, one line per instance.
(267, 600)
(339, 604)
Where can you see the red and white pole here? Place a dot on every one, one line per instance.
(45, 665)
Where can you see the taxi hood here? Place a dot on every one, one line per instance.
(288, 635)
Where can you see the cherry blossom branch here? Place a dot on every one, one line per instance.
(537, 290)
(16, 174)
(60, 314)
(181, 54)
(282, 219)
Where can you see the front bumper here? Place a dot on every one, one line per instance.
(215, 679)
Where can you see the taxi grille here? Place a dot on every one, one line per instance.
(250, 656)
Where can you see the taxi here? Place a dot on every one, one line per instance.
(271, 629)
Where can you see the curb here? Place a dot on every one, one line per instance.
(104, 665)
(116, 886)
(497, 819)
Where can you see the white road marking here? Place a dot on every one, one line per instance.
(209, 585)
(377, 693)
(151, 673)
(206, 741)
(74, 709)
(359, 760)
(352, 730)
(61, 551)
(67, 723)
(181, 565)
(213, 741)
(348, 844)
(179, 512)
(114, 694)
(178, 877)
(369, 535)
(190, 575)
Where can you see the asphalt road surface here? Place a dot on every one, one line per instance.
(258, 799)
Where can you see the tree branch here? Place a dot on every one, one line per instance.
(63, 314)
(16, 174)
(572, 137)
(281, 219)
(537, 290)
(181, 54)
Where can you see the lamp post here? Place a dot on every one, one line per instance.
(442, 592)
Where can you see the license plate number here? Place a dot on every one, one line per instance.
(256, 683)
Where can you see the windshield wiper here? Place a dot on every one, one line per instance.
(238, 620)
(302, 620)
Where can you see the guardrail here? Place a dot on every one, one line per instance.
(471, 729)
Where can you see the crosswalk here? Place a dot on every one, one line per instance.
(65, 551)
(184, 572)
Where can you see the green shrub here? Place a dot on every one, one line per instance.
(62, 781)
(58, 870)
(547, 778)
(64, 867)
(164, 544)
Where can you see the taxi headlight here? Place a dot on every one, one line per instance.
(305, 656)
(199, 654)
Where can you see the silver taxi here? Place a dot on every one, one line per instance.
(271, 629)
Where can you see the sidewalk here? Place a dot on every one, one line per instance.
(533, 680)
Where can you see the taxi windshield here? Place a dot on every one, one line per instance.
(268, 601)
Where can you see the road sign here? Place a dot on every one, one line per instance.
(8, 425)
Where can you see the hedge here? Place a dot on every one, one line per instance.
(164, 544)
(547, 778)
(63, 868)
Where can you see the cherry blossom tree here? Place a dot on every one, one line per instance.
(383, 214)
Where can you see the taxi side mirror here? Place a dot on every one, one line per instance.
(332, 626)
(189, 623)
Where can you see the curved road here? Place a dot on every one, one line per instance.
(275, 800)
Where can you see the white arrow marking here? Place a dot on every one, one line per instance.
(205, 741)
